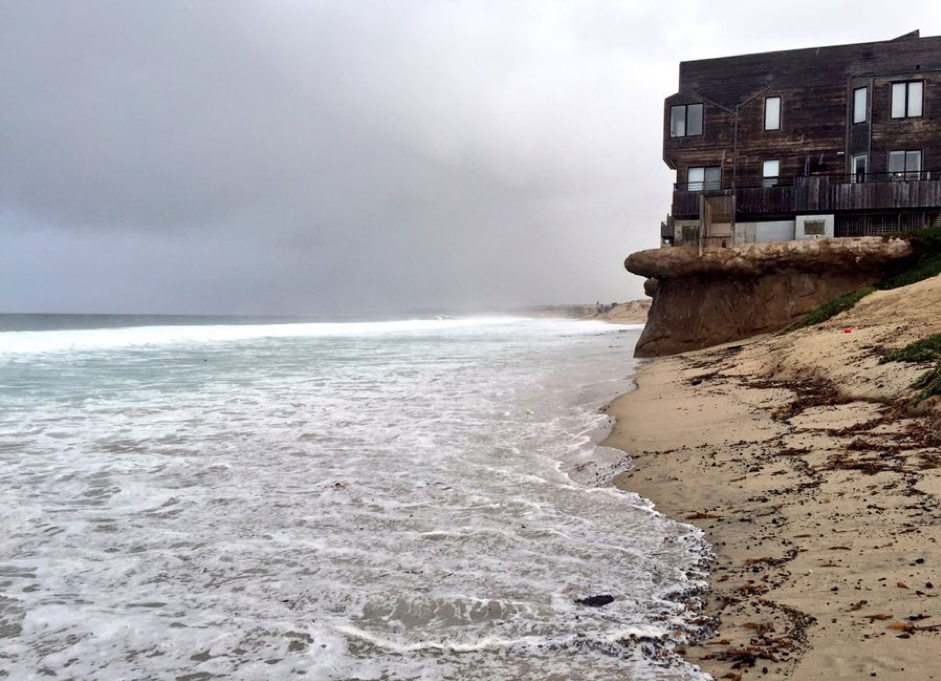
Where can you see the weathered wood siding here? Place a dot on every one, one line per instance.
(817, 135)
(922, 133)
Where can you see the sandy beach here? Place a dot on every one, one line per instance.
(816, 482)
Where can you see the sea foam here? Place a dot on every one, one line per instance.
(27, 342)
(408, 500)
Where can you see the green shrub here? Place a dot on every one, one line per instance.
(912, 274)
(927, 240)
(926, 244)
(840, 304)
(929, 384)
(922, 350)
(927, 262)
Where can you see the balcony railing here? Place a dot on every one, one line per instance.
(833, 178)
(821, 194)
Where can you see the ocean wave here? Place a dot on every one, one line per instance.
(84, 340)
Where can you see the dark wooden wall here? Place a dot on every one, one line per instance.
(816, 85)
(923, 133)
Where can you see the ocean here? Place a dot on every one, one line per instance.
(191, 499)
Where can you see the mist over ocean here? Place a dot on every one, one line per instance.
(238, 499)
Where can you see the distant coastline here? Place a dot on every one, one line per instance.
(631, 312)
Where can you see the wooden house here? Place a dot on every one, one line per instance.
(805, 144)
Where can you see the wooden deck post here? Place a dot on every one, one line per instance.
(702, 222)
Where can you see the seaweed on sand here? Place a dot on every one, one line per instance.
(923, 350)
(929, 384)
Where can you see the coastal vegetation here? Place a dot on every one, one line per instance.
(929, 384)
(927, 246)
(923, 350)
(926, 264)
(839, 304)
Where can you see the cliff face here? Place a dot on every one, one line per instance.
(733, 293)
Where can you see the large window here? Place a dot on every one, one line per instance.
(905, 165)
(686, 120)
(770, 172)
(908, 99)
(772, 113)
(860, 104)
(709, 178)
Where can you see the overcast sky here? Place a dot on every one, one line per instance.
(353, 156)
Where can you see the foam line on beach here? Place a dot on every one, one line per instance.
(13, 343)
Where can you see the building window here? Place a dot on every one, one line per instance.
(772, 113)
(905, 165)
(698, 179)
(686, 120)
(815, 228)
(860, 104)
(908, 99)
(770, 173)
(858, 168)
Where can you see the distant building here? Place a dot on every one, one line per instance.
(804, 144)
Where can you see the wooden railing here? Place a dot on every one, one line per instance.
(823, 194)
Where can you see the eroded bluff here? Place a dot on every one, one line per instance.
(728, 294)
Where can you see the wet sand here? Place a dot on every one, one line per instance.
(818, 486)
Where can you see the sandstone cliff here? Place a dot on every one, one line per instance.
(733, 293)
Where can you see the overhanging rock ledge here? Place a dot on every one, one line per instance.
(727, 294)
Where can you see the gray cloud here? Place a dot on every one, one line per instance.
(349, 157)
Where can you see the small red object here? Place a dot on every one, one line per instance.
(847, 331)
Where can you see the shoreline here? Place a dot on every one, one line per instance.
(818, 490)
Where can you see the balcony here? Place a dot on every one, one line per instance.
(821, 194)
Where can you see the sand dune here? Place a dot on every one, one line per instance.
(632, 312)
